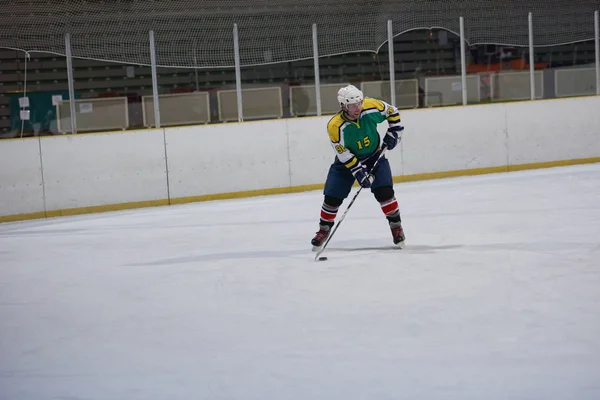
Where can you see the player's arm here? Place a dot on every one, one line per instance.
(385, 112)
(337, 143)
(393, 118)
(389, 113)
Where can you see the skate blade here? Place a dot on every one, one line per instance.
(316, 248)
(400, 244)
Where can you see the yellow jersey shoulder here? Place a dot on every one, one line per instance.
(373, 103)
(333, 127)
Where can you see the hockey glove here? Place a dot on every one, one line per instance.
(391, 138)
(361, 173)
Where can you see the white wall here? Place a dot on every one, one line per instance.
(310, 150)
(110, 168)
(227, 158)
(553, 130)
(21, 190)
(101, 169)
(456, 138)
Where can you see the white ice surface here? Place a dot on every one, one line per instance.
(496, 296)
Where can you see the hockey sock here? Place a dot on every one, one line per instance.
(391, 209)
(328, 214)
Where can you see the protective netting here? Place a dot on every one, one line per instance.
(192, 33)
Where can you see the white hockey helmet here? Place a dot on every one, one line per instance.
(349, 95)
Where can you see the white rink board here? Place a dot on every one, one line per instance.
(311, 153)
(395, 156)
(92, 170)
(21, 190)
(551, 130)
(121, 167)
(454, 138)
(227, 158)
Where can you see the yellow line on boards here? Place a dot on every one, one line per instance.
(286, 190)
(245, 194)
(22, 217)
(551, 164)
(108, 207)
(449, 174)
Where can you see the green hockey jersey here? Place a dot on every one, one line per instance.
(357, 140)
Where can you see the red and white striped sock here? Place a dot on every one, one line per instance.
(391, 209)
(328, 214)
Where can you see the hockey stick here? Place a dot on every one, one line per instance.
(383, 149)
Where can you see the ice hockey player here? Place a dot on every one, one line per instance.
(356, 142)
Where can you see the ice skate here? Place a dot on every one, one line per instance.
(397, 234)
(320, 237)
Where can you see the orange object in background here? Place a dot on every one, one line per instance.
(517, 64)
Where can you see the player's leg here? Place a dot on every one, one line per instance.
(337, 187)
(383, 190)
